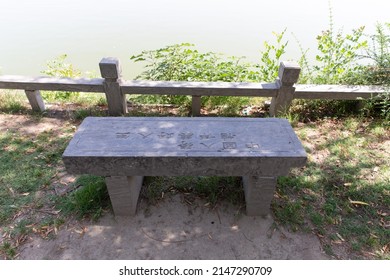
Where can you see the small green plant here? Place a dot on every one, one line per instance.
(58, 67)
(337, 60)
(337, 57)
(379, 53)
(213, 189)
(12, 102)
(8, 250)
(91, 199)
(271, 57)
(289, 213)
(378, 106)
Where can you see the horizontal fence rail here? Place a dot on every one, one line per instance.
(336, 92)
(200, 88)
(52, 84)
(282, 91)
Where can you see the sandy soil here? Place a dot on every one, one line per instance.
(176, 230)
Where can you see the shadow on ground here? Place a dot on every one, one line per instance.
(174, 229)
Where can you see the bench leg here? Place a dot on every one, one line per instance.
(124, 192)
(259, 192)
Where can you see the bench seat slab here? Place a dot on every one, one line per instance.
(123, 149)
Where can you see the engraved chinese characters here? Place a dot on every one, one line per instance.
(188, 140)
(180, 137)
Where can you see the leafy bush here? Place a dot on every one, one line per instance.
(379, 53)
(271, 56)
(59, 68)
(347, 59)
(181, 62)
(337, 57)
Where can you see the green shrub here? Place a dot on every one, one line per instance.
(181, 62)
(271, 57)
(59, 68)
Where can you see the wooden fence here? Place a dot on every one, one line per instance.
(282, 91)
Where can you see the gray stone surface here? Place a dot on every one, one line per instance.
(111, 72)
(35, 99)
(259, 192)
(289, 73)
(184, 146)
(124, 192)
(110, 68)
(253, 148)
(196, 105)
(287, 77)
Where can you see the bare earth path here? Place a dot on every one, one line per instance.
(176, 230)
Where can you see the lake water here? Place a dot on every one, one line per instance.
(33, 32)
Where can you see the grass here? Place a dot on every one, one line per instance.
(28, 165)
(344, 190)
(90, 199)
(212, 189)
(29, 162)
(342, 195)
(12, 101)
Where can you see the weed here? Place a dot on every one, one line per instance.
(271, 57)
(289, 213)
(8, 250)
(22, 227)
(90, 199)
(59, 68)
(12, 102)
(213, 189)
(82, 113)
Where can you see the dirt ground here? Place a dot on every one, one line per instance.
(176, 230)
(172, 229)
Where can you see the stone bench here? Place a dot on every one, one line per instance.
(124, 149)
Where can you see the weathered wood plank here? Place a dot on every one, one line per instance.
(337, 92)
(51, 83)
(200, 88)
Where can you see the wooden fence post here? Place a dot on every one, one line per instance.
(111, 72)
(288, 76)
(196, 105)
(35, 99)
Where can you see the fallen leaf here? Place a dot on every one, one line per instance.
(357, 202)
(340, 237)
(383, 214)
